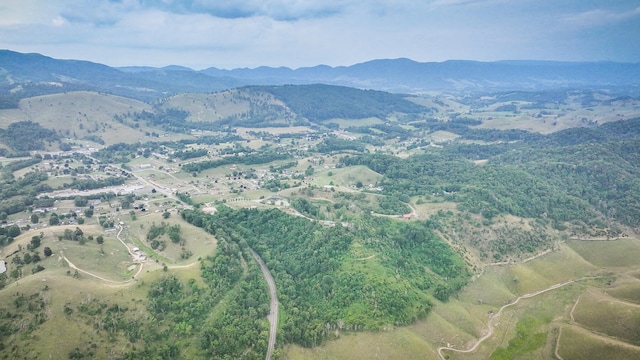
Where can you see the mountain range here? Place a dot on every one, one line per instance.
(23, 75)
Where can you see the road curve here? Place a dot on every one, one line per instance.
(273, 313)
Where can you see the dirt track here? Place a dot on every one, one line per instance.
(497, 316)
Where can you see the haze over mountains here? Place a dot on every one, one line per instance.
(42, 74)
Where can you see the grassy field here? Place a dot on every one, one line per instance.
(443, 136)
(208, 107)
(560, 117)
(81, 113)
(398, 343)
(626, 288)
(197, 241)
(604, 314)
(578, 343)
(346, 177)
(617, 253)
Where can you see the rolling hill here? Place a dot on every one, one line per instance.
(25, 75)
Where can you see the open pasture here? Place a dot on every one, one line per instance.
(578, 343)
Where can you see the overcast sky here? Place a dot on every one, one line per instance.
(249, 33)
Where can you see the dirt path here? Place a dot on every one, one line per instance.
(496, 316)
(74, 267)
(173, 267)
(600, 238)
(273, 313)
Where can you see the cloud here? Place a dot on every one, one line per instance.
(463, 3)
(600, 17)
(280, 10)
(232, 33)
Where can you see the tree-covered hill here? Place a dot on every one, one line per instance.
(324, 102)
(324, 286)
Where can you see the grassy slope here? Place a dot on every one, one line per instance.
(66, 113)
(209, 107)
(463, 319)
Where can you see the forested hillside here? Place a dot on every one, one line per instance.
(581, 176)
(323, 102)
(324, 284)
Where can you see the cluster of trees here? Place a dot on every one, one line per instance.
(392, 205)
(8, 233)
(27, 136)
(489, 190)
(156, 231)
(123, 153)
(279, 168)
(90, 184)
(23, 257)
(21, 164)
(190, 154)
(55, 219)
(105, 222)
(248, 159)
(332, 144)
(385, 131)
(78, 235)
(305, 207)
(170, 119)
(17, 195)
(217, 139)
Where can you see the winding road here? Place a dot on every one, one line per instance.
(273, 313)
(490, 325)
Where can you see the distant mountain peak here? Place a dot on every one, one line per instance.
(393, 75)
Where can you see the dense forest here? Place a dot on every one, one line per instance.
(26, 136)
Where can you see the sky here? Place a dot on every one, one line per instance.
(231, 34)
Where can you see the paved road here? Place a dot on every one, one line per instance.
(273, 313)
